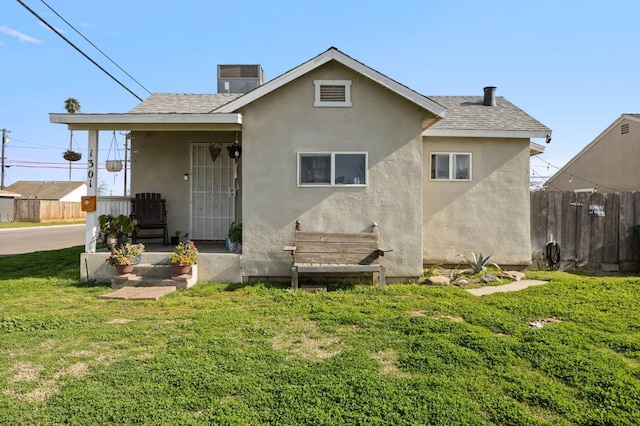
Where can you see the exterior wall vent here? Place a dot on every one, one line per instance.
(239, 78)
(624, 129)
(332, 93)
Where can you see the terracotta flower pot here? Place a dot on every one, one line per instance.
(124, 269)
(181, 269)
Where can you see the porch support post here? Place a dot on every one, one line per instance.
(92, 227)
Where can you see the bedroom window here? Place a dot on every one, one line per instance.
(332, 169)
(450, 166)
(332, 93)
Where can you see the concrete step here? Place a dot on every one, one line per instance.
(153, 270)
(146, 275)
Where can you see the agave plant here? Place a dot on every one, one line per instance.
(478, 264)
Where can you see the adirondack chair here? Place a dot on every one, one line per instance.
(150, 212)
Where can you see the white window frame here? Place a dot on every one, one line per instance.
(332, 165)
(451, 156)
(347, 93)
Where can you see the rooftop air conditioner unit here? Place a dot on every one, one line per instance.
(239, 78)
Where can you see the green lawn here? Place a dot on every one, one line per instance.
(261, 354)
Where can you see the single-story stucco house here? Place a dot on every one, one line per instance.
(49, 190)
(338, 146)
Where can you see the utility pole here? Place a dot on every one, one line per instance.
(5, 140)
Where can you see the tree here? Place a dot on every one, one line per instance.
(72, 105)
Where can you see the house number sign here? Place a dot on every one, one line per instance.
(91, 170)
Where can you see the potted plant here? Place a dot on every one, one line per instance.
(71, 105)
(71, 155)
(109, 228)
(176, 238)
(235, 237)
(183, 257)
(127, 226)
(125, 257)
(116, 228)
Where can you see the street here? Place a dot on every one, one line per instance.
(27, 240)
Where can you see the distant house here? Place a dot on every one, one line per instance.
(42, 201)
(338, 146)
(7, 205)
(610, 163)
(47, 190)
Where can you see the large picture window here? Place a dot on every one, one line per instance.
(450, 166)
(332, 168)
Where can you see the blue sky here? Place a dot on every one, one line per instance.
(573, 65)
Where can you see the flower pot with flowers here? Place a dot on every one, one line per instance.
(125, 257)
(183, 257)
(235, 237)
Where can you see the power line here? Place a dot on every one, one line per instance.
(78, 49)
(96, 47)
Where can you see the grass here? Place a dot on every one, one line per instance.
(260, 354)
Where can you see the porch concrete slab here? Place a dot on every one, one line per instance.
(514, 286)
(138, 293)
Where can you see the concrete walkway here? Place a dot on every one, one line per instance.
(139, 293)
(514, 286)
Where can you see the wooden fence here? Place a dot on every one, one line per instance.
(591, 228)
(48, 211)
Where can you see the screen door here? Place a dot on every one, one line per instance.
(212, 194)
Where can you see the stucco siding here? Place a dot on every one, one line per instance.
(489, 214)
(610, 164)
(283, 123)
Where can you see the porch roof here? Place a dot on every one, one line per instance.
(156, 121)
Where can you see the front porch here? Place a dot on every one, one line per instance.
(215, 263)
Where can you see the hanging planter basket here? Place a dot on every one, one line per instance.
(116, 164)
(214, 150)
(71, 155)
(113, 165)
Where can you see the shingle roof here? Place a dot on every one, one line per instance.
(43, 190)
(468, 113)
(182, 103)
(7, 194)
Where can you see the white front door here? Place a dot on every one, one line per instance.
(212, 194)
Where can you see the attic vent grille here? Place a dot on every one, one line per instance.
(332, 93)
(624, 129)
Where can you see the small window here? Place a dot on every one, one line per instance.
(450, 166)
(332, 93)
(332, 169)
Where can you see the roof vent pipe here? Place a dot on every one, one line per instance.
(489, 96)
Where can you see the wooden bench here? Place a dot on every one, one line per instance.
(337, 252)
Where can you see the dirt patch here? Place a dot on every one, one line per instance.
(448, 317)
(539, 323)
(306, 340)
(119, 321)
(388, 363)
(79, 370)
(26, 372)
(417, 314)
